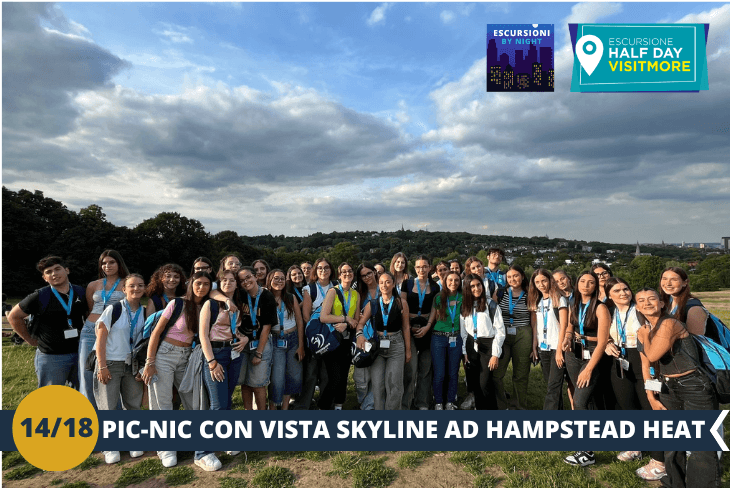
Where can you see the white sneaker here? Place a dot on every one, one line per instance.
(450, 406)
(233, 453)
(468, 403)
(209, 462)
(168, 458)
(438, 406)
(111, 457)
(135, 454)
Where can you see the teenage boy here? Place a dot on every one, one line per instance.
(58, 312)
(496, 279)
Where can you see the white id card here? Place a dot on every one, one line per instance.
(476, 346)
(385, 344)
(653, 385)
(234, 355)
(586, 354)
(624, 364)
(368, 346)
(452, 341)
(544, 346)
(511, 330)
(70, 333)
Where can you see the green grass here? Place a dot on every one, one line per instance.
(485, 481)
(472, 461)
(180, 475)
(229, 482)
(274, 477)
(414, 459)
(77, 484)
(88, 463)
(19, 377)
(343, 464)
(57, 481)
(13, 458)
(137, 473)
(21, 473)
(373, 473)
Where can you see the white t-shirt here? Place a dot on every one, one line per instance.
(485, 328)
(117, 342)
(545, 310)
(317, 302)
(630, 323)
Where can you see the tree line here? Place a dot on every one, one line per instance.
(35, 226)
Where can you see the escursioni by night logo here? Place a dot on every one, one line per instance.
(520, 58)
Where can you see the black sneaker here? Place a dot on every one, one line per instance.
(581, 458)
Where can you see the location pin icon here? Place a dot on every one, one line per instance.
(589, 50)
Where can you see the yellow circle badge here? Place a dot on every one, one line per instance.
(55, 428)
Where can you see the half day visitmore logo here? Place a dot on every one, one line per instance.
(520, 57)
(639, 57)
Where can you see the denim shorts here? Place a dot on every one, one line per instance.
(256, 376)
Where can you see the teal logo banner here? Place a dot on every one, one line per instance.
(639, 57)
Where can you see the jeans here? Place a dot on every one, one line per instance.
(363, 388)
(220, 392)
(581, 396)
(554, 376)
(417, 378)
(123, 383)
(338, 364)
(516, 348)
(87, 339)
(629, 390)
(314, 372)
(286, 371)
(386, 374)
(170, 363)
(56, 369)
(445, 360)
(701, 468)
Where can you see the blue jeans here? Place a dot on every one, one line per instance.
(87, 339)
(220, 392)
(365, 397)
(286, 371)
(445, 362)
(56, 369)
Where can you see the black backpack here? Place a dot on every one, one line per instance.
(44, 297)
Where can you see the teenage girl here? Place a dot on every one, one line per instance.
(167, 282)
(446, 342)
(399, 270)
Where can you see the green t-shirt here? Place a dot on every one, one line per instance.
(445, 324)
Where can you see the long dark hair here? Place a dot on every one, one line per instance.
(395, 298)
(361, 287)
(444, 296)
(392, 265)
(313, 278)
(156, 287)
(289, 283)
(683, 297)
(202, 259)
(663, 314)
(469, 301)
(286, 297)
(610, 283)
(123, 271)
(591, 321)
(534, 295)
(192, 314)
(237, 299)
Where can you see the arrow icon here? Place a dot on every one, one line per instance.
(715, 430)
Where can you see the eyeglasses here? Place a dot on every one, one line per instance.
(323, 268)
(346, 272)
(367, 275)
(604, 274)
(278, 278)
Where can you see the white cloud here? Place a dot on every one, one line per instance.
(378, 14)
(447, 16)
(175, 33)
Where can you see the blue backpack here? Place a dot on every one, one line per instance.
(322, 338)
(139, 352)
(362, 358)
(715, 329)
(714, 360)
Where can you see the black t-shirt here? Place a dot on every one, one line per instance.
(395, 319)
(412, 297)
(265, 313)
(50, 325)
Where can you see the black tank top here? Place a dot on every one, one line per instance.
(395, 319)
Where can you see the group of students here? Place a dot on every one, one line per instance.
(615, 348)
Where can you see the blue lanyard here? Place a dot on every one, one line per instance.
(233, 318)
(132, 322)
(674, 309)
(66, 306)
(581, 319)
(421, 296)
(385, 315)
(474, 320)
(299, 294)
(280, 313)
(621, 327)
(512, 305)
(252, 309)
(545, 310)
(452, 311)
(494, 276)
(106, 296)
(346, 305)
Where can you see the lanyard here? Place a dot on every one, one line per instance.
(545, 310)
(452, 311)
(581, 319)
(512, 305)
(280, 313)
(132, 322)
(106, 296)
(233, 318)
(385, 315)
(474, 320)
(370, 297)
(494, 276)
(674, 309)
(66, 306)
(346, 305)
(299, 294)
(421, 296)
(165, 300)
(252, 309)
(621, 327)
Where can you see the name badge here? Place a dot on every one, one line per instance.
(452, 341)
(281, 343)
(624, 364)
(544, 346)
(476, 346)
(511, 330)
(369, 346)
(253, 345)
(384, 343)
(234, 354)
(586, 354)
(653, 385)
(70, 333)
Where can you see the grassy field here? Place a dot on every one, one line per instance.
(481, 469)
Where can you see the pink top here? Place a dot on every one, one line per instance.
(221, 330)
(179, 331)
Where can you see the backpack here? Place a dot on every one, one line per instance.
(90, 363)
(715, 329)
(44, 297)
(362, 358)
(322, 338)
(714, 361)
(139, 352)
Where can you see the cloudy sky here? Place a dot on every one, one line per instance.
(296, 118)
